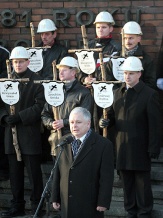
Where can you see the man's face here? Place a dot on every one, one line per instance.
(79, 126)
(103, 30)
(20, 65)
(48, 38)
(131, 78)
(131, 40)
(66, 74)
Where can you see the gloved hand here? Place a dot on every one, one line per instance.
(12, 119)
(103, 123)
(153, 155)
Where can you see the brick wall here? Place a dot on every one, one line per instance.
(148, 13)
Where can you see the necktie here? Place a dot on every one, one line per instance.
(75, 146)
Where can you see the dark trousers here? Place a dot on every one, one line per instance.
(4, 168)
(33, 166)
(138, 197)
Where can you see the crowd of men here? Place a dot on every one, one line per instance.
(83, 179)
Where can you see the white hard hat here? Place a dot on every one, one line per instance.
(70, 62)
(104, 17)
(160, 83)
(132, 27)
(132, 64)
(46, 25)
(19, 52)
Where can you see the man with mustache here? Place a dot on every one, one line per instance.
(132, 38)
(55, 51)
(48, 33)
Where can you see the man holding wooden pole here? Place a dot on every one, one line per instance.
(27, 121)
(104, 23)
(75, 95)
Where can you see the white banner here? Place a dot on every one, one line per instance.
(103, 94)
(117, 71)
(86, 61)
(54, 94)
(36, 60)
(9, 92)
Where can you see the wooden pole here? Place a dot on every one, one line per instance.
(12, 112)
(84, 36)
(123, 43)
(105, 131)
(55, 109)
(95, 117)
(86, 49)
(32, 34)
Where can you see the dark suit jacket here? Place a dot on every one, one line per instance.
(85, 183)
(136, 114)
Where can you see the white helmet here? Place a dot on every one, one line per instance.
(46, 25)
(132, 64)
(70, 62)
(132, 27)
(104, 17)
(160, 83)
(19, 52)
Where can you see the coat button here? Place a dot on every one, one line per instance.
(70, 196)
(72, 168)
(70, 181)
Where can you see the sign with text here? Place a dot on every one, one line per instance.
(86, 61)
(117, 71)
(9, 92)
(54, 94)
(36, 60)
(103, 94)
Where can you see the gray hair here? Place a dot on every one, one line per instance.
(84, 111)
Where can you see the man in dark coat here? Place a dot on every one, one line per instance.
(27, 119)
(136, 115)
(104, 23)
(132, 47)
(75, 95)
(83, 179)
(56, 51)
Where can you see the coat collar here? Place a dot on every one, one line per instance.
(137, 88)
(87, 147)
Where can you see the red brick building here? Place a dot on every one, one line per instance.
(70, 15)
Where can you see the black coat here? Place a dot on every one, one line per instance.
(76, 96)
(85, 183)
(109, 47)
(136, 114)
(29, 108)
(56, 52)
(149, 73)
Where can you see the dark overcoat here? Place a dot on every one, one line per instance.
(136, 114)
(149, 69)
(75, 96)
(56, 52)
(29, 108)
(85, 183)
